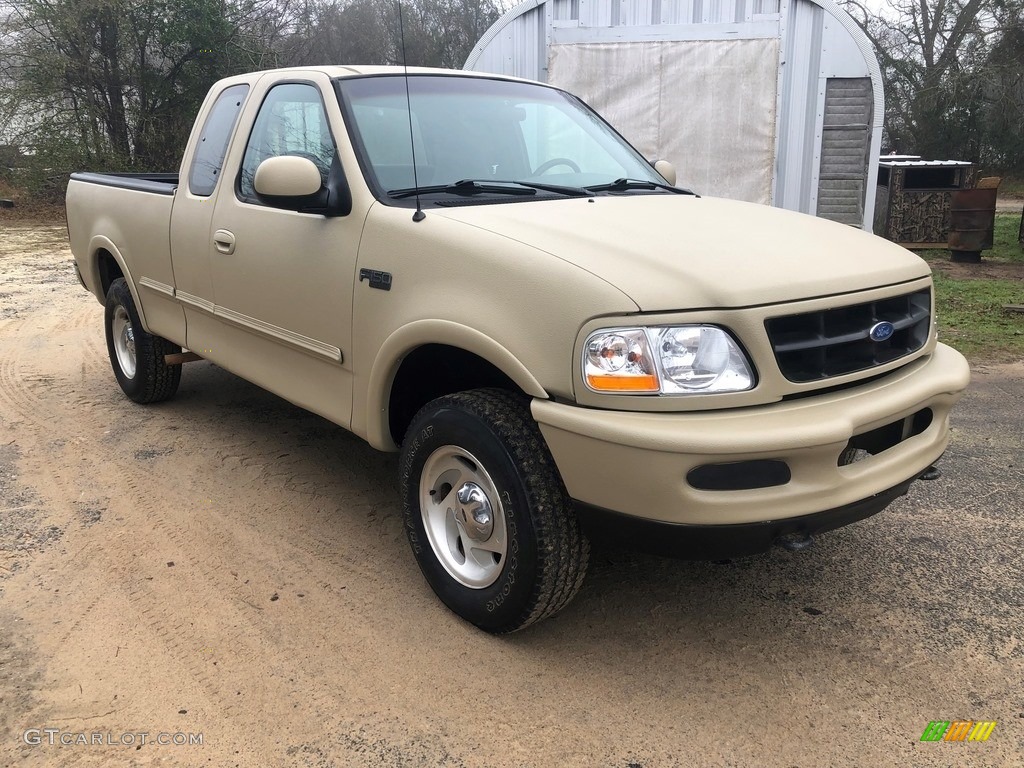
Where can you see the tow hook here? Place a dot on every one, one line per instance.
(795, 542)
(932, 473)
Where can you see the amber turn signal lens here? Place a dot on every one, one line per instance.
(623, 383)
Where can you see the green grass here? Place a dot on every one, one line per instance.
(972, 319)
(1006, 247)
(970, 309)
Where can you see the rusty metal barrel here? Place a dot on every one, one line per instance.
(972, 220)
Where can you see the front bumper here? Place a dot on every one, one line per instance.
(637, 463)
(712, 542)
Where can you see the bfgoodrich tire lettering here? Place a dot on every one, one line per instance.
(137, 357)
(512, 486)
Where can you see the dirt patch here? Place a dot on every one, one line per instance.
(32, 255)
(986, 270)
(21, 677)
(23, 529)
(26, 210)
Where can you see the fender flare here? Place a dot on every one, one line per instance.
(409, 337)
(102, 243)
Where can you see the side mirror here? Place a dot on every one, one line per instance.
(287, 176)
(665, 168)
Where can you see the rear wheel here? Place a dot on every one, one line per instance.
(137, 357)
(486, 513)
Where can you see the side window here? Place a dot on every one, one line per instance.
(213, 143)
(291, 121)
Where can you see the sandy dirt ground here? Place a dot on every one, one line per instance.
(227, 565)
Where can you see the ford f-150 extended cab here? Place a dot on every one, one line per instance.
(479, 272)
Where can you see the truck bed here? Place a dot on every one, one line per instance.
(127, 217)
(154, 183)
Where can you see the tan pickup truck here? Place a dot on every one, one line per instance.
(481, 273)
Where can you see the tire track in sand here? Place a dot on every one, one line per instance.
(211, 578)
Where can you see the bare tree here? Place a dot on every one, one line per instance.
(116, 83)
(1004, 95)
(438, 33)
(937, 63)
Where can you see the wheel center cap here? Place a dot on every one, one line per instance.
(474, 512)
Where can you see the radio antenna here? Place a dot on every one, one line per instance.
(419, 215)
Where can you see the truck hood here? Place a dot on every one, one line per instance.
(669, 252)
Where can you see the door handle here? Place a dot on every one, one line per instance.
(224, 241)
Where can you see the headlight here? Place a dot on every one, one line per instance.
(686, 359)
(620, 360)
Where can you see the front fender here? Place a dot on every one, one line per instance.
(370, 418)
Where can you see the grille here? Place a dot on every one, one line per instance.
(832, 342)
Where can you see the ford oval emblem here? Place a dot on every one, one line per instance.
(881, 331)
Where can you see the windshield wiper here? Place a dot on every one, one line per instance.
(467, 187)
(491, 186)
(624, 185)
(561, 189)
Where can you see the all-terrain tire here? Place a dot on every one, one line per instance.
(493, 441)
(151, 380)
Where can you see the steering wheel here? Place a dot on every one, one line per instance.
(554, 163)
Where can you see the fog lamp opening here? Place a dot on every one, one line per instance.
(740, 475)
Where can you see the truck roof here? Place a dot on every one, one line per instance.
(362, 70)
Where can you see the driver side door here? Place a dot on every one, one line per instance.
(282, 278)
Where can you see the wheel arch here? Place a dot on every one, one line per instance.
(106, 264)
(468, 358)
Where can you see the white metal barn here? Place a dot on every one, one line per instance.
(770, 101)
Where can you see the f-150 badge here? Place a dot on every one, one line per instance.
(377, 278)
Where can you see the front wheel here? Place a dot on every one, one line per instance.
(489, 520)
(137, 357)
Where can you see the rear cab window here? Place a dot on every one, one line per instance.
(208, 158)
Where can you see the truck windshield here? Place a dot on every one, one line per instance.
(486, 131)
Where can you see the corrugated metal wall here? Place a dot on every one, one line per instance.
(605, 13)
(517, 43)
(797, 141)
